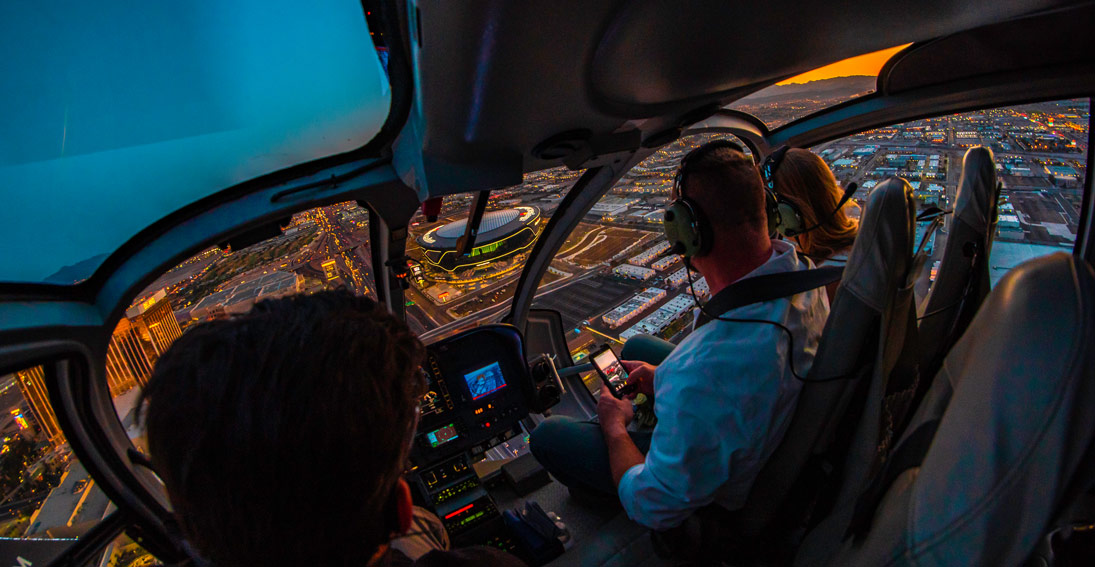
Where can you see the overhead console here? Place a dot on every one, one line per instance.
(479, 391)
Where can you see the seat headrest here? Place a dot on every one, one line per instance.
(977, 187)
(880, 256)
(1019, 419)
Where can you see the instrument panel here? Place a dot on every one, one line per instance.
(478, 392)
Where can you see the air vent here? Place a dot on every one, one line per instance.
(562, 145)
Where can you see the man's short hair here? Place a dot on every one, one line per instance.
(727, 187)
(280, 434)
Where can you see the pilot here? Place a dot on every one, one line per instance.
(725, 395)
(804, 179)
(281, 436)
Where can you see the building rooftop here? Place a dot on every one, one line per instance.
(494, 225)
(491, 221)
(274, 282)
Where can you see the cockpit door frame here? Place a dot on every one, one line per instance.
(1085, 235)
(585, 193)
(390, 215)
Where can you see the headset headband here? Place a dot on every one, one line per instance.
(701, 152)
(770, 165)
(684, 224)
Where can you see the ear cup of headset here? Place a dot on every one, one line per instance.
(771, 206)
(790, 219)
(678, 225)
(706, 238)
(685, 229)
(784, 218)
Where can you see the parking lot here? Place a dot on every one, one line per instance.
(586, 299)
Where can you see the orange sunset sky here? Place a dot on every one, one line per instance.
(867, 64)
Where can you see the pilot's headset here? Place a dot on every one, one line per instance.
(686, 228)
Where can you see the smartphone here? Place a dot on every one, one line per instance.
(611, 370)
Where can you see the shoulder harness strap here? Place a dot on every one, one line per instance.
(766, 288)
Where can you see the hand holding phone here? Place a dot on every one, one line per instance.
(640, 376)
(612, 371)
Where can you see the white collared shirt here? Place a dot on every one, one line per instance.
(724, 398)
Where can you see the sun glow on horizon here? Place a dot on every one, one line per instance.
(868, 64)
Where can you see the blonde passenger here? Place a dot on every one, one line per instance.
(804, 179)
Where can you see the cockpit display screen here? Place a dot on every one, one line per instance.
(441, 436)
(485, 381)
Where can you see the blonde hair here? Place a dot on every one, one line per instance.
(804, 179)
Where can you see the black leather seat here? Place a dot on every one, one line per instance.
(1010, 428)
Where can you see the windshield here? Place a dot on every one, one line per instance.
(816, 90)
(451, 291)
(1040, 154)
(116, 114)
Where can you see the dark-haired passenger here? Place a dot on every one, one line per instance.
(725, 395)
(806, 180)
(281, 436)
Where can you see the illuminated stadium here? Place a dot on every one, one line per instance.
(501, 234)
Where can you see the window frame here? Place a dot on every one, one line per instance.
(78, 401)
(1085, 233)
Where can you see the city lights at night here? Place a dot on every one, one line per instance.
(507, 181)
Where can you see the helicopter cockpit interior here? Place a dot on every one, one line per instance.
(496, 175)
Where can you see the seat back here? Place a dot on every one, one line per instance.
(878, 282)
(963, 278)
(849, 360)
(1013, 406)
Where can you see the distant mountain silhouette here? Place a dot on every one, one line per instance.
(835, 88)
(77, 272)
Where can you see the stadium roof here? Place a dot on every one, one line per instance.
(491, 222)
(495, 225)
